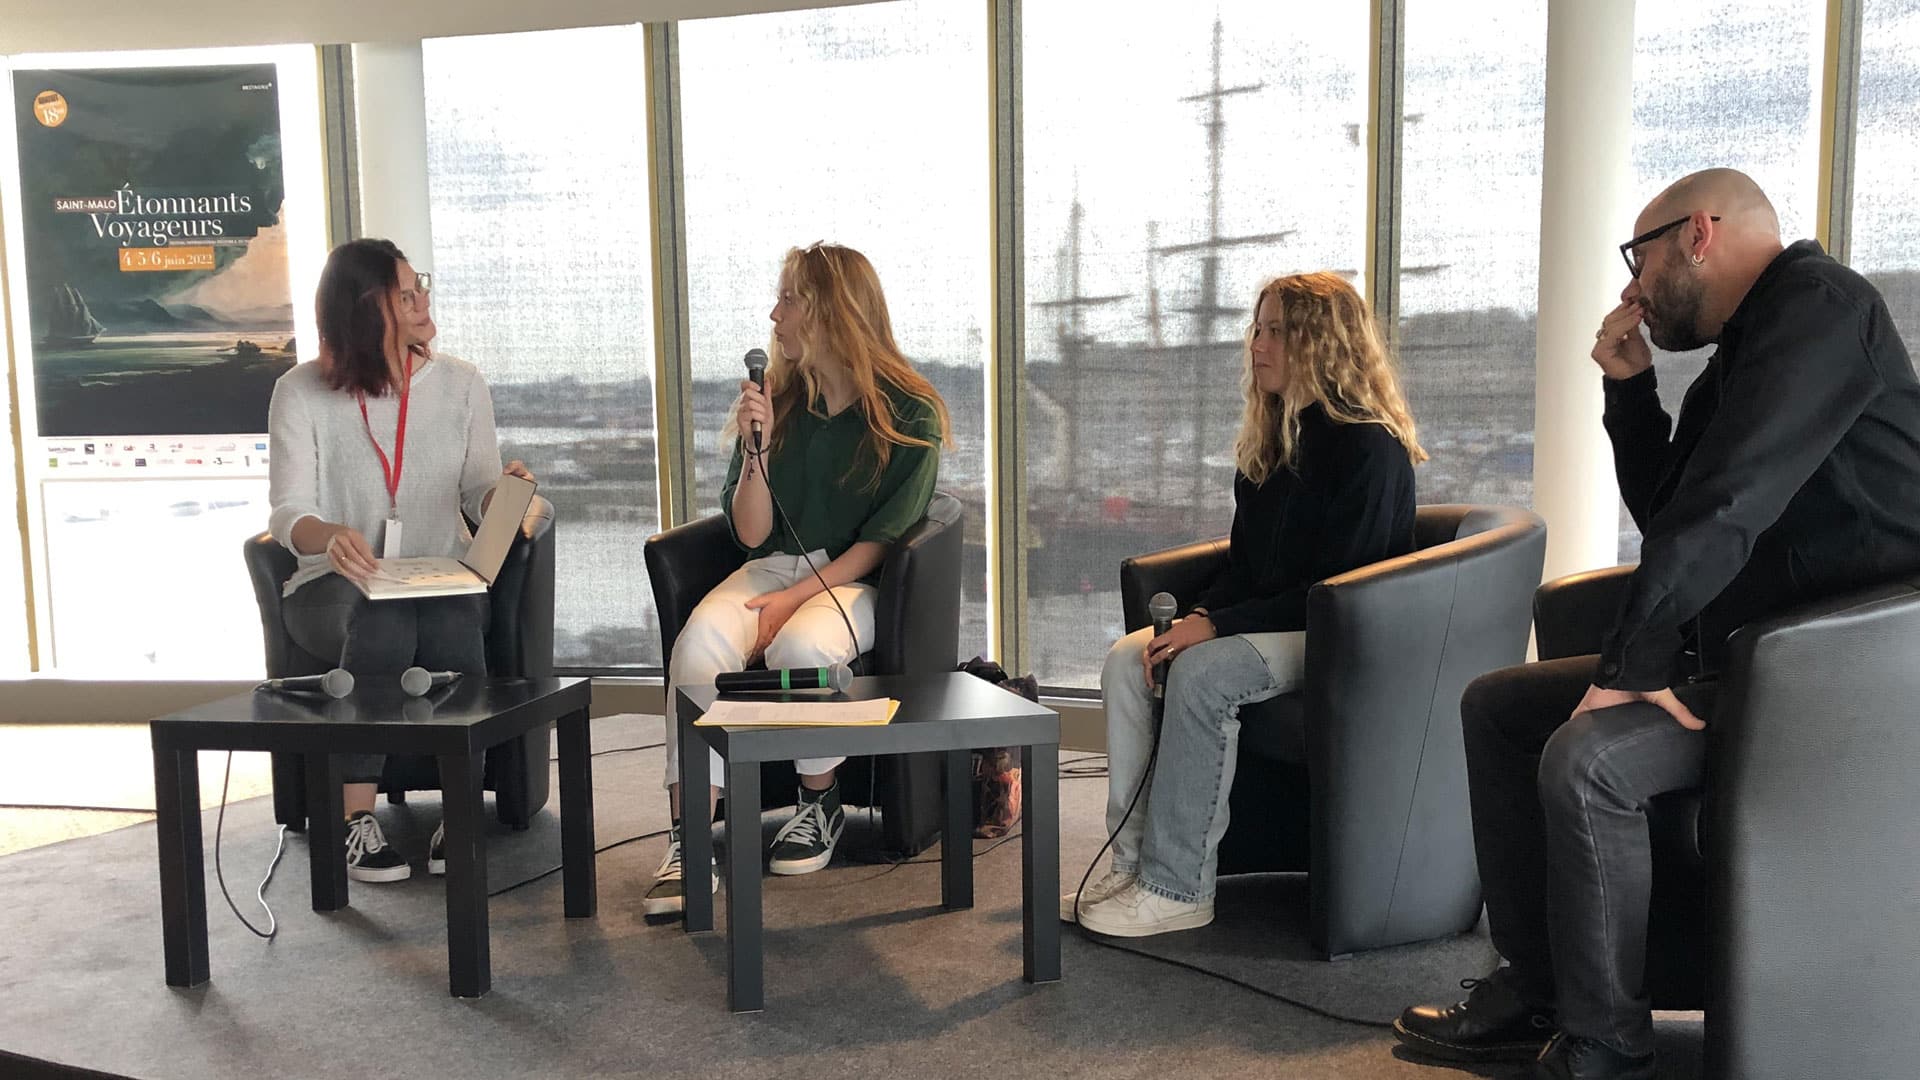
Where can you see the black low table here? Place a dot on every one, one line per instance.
(457, 725)
(948, 712)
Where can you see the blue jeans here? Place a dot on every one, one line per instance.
(330, 618)
(1560, 832)
(1172, 838)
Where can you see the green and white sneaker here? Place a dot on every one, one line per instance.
(667, 895)
(805, 843)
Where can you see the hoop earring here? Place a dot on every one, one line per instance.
(1699, 260)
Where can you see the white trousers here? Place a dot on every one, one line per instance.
(722, 629)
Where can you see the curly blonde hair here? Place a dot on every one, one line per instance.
(1334, 356)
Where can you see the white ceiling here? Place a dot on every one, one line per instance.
(38, 26)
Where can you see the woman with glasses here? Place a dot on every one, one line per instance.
(830, 464)
(378, 449)
(1324, 484)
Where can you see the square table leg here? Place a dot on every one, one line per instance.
(326, 833)
(469, 965)
(696, 822)
(183, 876)
(576, 816)
(1040, 862)
(956, 837)
(746, 978)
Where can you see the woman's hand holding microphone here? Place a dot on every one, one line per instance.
(750, 408)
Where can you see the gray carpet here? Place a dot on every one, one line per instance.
(866, 975)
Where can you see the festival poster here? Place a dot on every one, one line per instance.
(157, 291)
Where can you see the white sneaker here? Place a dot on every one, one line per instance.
(1136, 911)
(667, 894)
(437, 851)
(1097, 890)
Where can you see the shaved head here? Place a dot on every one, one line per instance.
(1729, 194)
(1711, 234)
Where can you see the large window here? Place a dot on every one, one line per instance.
(866, 126)
(1886, 207)
(1726, 83)
(1176, 158)
(1470, 242)
(542, 262)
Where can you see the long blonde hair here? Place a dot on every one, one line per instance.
(846, 318)
(1334, 356)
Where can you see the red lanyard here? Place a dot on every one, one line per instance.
(392, 471)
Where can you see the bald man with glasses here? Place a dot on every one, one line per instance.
(1791, 473)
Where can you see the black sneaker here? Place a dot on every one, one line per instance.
(437, 851)
(369, 856)
(1494, 1023)
(1571, 1057)
(667, 894)
(805, 843)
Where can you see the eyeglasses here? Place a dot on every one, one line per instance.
(412, 298)
(1626, 249)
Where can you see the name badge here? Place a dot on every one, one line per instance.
(390, 541)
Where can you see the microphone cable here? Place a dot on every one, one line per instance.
(759, 457)
(259, 894)
(1153, 755)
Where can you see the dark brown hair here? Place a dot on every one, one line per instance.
(351, 305)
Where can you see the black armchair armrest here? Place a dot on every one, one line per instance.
(684, 564)
(1185, 572)
(269, 565)
(1811, 840)
(520, 629)
(1571, 614)
(917, 612)
(1390, 648)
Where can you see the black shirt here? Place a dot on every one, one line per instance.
(1347, 502)
(1793, 472)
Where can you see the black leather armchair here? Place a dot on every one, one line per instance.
(1787, 894)
(916, 629)
(519, 642)
(1373, 802)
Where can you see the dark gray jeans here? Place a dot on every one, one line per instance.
(329, 617)
(1560, 830)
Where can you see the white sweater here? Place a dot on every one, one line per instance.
(323, 466)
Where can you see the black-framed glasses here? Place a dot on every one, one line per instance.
(1626, 249)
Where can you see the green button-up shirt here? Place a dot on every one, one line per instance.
(821, 474)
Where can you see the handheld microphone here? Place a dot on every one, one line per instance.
(1161, 610)
(337, 683)
(837, 677)
(757, 371)
(418, 680)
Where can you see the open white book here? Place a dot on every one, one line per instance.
(416, 578)
(734, 713)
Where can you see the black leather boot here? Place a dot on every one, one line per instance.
(1493, 1024)
(1570, 1057)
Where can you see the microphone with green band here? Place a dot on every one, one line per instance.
(837, 677)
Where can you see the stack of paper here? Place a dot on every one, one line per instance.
(728, 713)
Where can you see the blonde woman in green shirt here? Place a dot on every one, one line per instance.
(852, 438)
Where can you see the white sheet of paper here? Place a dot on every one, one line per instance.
(798, 713)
